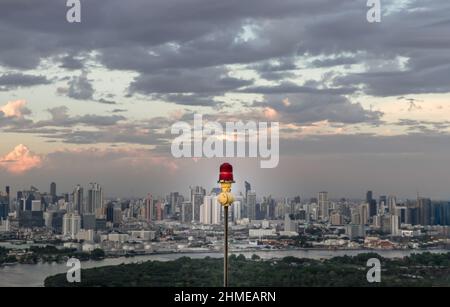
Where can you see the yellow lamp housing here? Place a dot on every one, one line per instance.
(225, 198)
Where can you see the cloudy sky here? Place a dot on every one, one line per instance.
(361, 106)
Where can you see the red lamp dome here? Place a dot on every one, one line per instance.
(226, 173)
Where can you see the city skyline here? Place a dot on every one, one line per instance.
(96, 194)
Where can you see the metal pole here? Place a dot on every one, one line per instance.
(225, 259)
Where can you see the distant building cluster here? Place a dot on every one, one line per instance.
(85, 219)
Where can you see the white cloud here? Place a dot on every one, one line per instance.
(20, 160)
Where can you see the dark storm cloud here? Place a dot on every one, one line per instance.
(121, 134)
(61, 118)
(106, 101)
(163, 38)
(200, 81)
(293, 88)
(71, 63)
(10, 81)
(338, 61)
(80, 88)
(41, 26)
(189, 99)
(429, 80)
(308, 108)
(180, 49)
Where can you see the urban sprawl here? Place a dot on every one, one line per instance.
(85, 221)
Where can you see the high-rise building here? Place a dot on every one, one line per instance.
(383, 200)
(395, 225)
(27, 200)
(36, 205)
(251, 205)
(211, 210)
(369, 196)
(4, 207)
(290, 225)
(159, 208)
(71, 224)
(372, 204)
(390, 224)
(94, 203)
(425, 212)
(237, 209)
(186, 212)
(8, 196)
(149, 208)
(336, 219)
(117, 216)
(392, 204)
(197, 194)
(355, 231)
(174, 201)
(324, 205)
(53, 191)
(78, 199)
(110, 212)
(356, 218)
(401, 212)
(88, 221)
(206, 210)
(268, 208)
(364, 214)
(248, 188)
(4, 226)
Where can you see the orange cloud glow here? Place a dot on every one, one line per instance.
(20, 160)
(270, 113)
(14, 108)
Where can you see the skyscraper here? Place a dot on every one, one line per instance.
(251, 205)
(186, 212)
(174, 201)
(324, 204)
(425, 212)
(392, 204)
(197, 194)
(8, 196)
(382, 202)
(211, 210)
(149, 208)
(237, 209)
(4, 206)
(369, 196)
(53, 190)
(159, 214)
(206, 210)
(71, 224)
(248, 188)
(95, 200)
(372, 204)
(364, 214)
(78, 200)
(110, 212)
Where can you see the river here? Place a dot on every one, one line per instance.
(33, 275)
